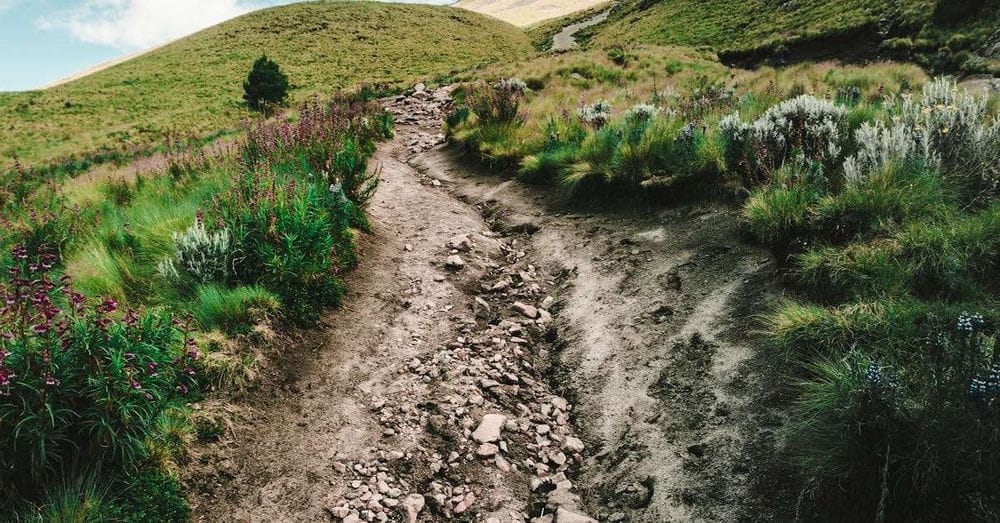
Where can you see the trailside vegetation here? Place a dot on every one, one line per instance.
(112, 289)
(877, 190)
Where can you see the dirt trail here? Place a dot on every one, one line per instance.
(566, 39)
(501, 359)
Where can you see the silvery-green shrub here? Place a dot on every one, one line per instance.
(596, 114)
(879, 145)
(512, 84)
(642, 111)
(946, 127)
(199, 256)
(804, 126)
(957, 128)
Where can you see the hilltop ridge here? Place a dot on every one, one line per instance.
(192, 86)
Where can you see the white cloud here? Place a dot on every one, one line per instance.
(6, 5)
(138, 24)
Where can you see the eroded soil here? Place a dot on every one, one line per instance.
(501, 357)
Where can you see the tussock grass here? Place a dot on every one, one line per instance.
(216, 307)
(675, 151)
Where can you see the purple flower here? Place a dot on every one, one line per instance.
(108, 305)
(6, 376)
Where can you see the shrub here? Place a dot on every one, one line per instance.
(199, 256)
(954, 128)
(285, 233)
(879, 146)
(619, 56)
(265, 85)
(879, 425)
(496, 103)
(331, 140)
(596, 114)
(805, 126)
(78, 379)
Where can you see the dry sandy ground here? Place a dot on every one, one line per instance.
(526, 12)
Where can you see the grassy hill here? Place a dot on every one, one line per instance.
(939, 34)
(194, 85)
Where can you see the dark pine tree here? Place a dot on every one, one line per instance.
(266, 85)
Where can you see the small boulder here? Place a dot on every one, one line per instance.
(413, 504)
(461, 243)
(481, 308)
(573, 444)
(528, 311)
(454, 262)
(565, 515)
(487, 450)
(489, 428)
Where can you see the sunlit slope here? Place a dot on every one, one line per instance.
(194, 85)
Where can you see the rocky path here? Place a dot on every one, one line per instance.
(426, 397)
(500, 359)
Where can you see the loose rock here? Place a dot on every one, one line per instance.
(526, 310)
(454, 262)
(489, 428)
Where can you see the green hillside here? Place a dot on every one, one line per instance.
(194, 85)
(939, 34)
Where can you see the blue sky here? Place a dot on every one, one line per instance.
(42, 41)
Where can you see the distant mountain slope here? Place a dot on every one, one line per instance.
(194, 85)
(941, 34)
(527, 12)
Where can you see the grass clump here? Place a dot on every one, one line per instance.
(233, 309)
